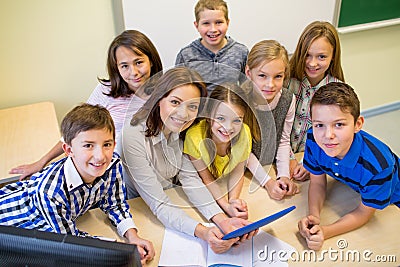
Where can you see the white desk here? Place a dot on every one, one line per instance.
(380, 235)
(27, 133)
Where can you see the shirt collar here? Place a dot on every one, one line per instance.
(72, 176)
(307, 83)
(161, 137)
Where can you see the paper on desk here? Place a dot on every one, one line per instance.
(179, 249)
(237, 255)
(267, 249)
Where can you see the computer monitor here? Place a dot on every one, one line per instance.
(33, 248)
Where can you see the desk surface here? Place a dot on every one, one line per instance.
(380, 235)
(27, 133)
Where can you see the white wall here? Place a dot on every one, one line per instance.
(53, 50)
(370, 61)
(170, 25)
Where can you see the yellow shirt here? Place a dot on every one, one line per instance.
(195, 146)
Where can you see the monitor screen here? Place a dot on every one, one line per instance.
(22, 247)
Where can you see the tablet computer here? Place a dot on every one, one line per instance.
(255, 225)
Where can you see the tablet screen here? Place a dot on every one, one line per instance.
(255, 225)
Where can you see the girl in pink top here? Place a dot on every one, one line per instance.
(132, 60)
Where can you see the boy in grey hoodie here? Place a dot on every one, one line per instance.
(216, 57)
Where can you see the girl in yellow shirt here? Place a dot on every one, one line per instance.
(220, 144)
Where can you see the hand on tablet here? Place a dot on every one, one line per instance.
(218, 245)
(213, 236)
(249, 228)
(231, 224)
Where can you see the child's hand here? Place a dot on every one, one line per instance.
(316, 238)
(237, 208)
(27, 170)
(145, 247)
(274, 190)
(288, 185)
(277, 189)
(306, 224)
(311, 230)
(146, 250)
(297, 171)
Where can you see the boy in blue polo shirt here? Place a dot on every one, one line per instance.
(54, 198)
(337, 146)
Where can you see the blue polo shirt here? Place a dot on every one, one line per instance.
(369, 167)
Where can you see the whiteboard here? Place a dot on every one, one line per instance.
(169, 24)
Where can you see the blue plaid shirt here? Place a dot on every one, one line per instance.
(54, 198)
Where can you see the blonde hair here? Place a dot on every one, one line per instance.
(211, 5)
(264, 52)
(312, 32)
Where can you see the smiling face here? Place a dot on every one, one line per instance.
(212, 27)
(268, 78)
(134, 69)
(334, 129)
(91, 152)
(226, 122)
(319, 57)
(179, 108)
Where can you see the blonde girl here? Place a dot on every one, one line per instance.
(268, 68)
(315, 62)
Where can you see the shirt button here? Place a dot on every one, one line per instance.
(336, 163)
(336, 174)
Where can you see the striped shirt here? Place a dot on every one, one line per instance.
(54, 198)
(302, 120)
(369, 168)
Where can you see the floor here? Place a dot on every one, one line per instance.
(385, 127)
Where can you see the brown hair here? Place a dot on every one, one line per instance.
(339, 94)
(83, 118)
(139, 44)
(172, 79)
(211, 5)
(227, 93)
(265, 51)
(312, 32)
